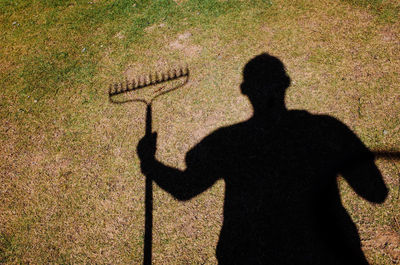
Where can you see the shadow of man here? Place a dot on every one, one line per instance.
(280, 167)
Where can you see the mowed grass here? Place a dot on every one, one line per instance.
(71, 190)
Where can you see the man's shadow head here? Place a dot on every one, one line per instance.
(265, 82)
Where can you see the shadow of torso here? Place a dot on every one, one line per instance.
(282, 204)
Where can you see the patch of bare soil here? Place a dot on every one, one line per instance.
(151, 28)
(132, 71)
(388, 34)
(120, 35)
(178, 2)
(183, 43)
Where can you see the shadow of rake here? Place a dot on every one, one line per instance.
(133, 86)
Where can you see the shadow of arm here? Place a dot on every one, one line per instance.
(200, 174)
(356, 164)
(183, 185)
(366, 180)
(390, 155)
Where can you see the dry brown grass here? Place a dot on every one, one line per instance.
(71, 190)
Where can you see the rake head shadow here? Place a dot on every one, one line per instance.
(148, 80)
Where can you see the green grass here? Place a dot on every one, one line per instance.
(71, 190)
(386, 11)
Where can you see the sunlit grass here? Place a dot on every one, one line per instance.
(70, 186)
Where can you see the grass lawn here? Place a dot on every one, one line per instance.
(71, 190)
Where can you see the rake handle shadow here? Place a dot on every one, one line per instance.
(148, 201)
